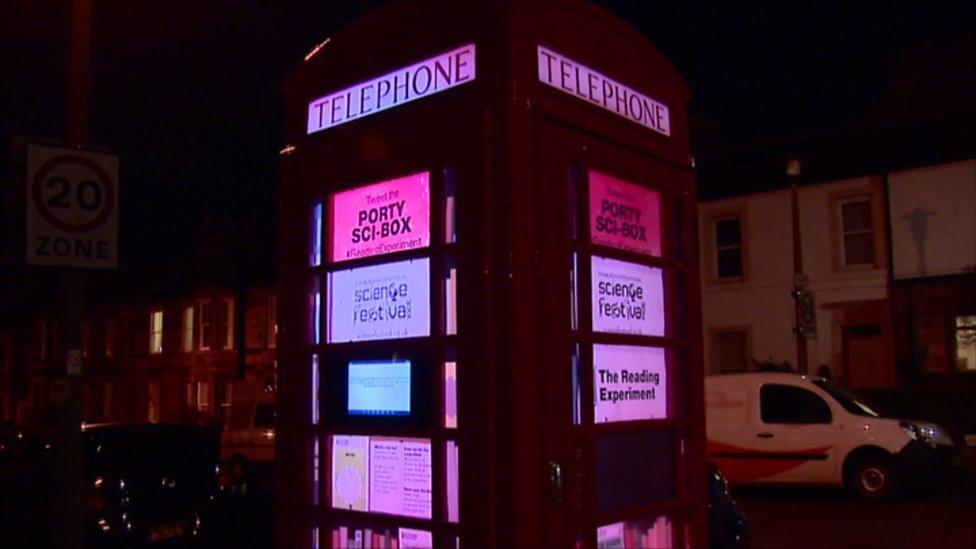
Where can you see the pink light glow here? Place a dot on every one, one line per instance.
(381, 218)
(624, 215)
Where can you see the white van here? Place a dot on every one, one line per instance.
(781, 428)
(249, 425)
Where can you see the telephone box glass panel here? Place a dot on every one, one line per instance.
(634, 469)
(378, 474)
(629, 383)
(624, 215)
(386, 301)
(379, 388)
(628, 298)
(386, 217)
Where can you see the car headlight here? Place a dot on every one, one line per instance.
(935, 434)
(926, 432)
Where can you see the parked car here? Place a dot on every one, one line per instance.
(781, 428)
(727, 525)
(26, 460)
(147, 484)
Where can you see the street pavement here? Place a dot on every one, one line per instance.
(812, 518)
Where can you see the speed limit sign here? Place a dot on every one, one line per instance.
(72, 208)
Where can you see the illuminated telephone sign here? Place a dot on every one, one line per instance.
(588, 85)
(629, 383)
(624, 215)
(627, 298)
(386, 301)
(381, 218)
(406, 84)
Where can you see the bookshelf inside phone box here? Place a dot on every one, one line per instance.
(488, 287)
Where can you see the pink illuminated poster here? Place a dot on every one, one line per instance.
(624, 215)
(381, 218)
(629, 383)
(627, 298)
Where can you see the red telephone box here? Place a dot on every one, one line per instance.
(489, 286)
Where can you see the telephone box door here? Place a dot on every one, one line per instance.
(616, 349)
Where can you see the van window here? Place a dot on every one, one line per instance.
(240, 417)
(788, 404)
(264, 416)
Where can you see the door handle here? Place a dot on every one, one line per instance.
(556, 481)
(765, 435)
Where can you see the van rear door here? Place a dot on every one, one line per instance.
(728, 413)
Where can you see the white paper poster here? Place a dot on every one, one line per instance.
(415, 539)
(629, 383)
(387, 301)
(627, 298)
(401, 477)
(350, 472)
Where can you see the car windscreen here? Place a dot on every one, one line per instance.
(847, 399)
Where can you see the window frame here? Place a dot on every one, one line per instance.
(714, 332)
(842, 233)
(205, 337)
(156, 336)
(442, 251)
(954, 342)
(719, 248)
(225, 323)
(189, 328)
(710, 244)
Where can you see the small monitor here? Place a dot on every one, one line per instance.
(379, 388)
(386, 383)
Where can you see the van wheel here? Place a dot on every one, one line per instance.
(872, 479)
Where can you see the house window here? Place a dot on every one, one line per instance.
(152, 402)
(857, 233)
(156, 332)
(203, 395)
(110, 337)
(965, 343)
(107, 401)
(730, 351)
(43, 338)
(226, 333)
(206, 325)
(728, 248)
(55, 340)
(85, 337)
(188, 314)
(272, 322)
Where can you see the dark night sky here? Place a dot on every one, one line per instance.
(187, 93)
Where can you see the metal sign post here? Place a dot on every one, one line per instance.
(67, 514)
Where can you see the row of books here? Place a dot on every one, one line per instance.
(643, 534)
(367, 538)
